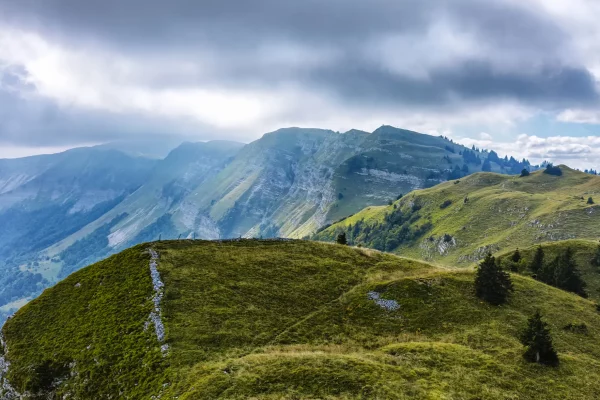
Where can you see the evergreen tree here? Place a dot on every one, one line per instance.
(524, 172)
(590, 200)
(536, 337)
(341, 238)
(486, 166)
(562, 273)
(538, 260)
(516, 257)
(491, 283)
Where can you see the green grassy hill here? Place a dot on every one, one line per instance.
(458, 222)
(291, 320)
(583, 252)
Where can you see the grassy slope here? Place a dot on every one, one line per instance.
(273, 320)
(583, 251)
(95, 319)
(502, 212)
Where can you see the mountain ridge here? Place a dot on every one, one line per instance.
(288, 318)
(288, 183)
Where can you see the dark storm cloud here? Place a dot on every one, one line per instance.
(518, 53)
(550, 87)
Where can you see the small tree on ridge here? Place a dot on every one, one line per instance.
(492, 284)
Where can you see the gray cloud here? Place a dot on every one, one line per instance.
(416, 54)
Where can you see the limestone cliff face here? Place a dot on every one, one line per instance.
(74, 208)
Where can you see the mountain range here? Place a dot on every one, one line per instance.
(63, 211)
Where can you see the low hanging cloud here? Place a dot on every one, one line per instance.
(74, 72)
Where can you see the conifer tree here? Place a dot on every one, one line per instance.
(516, 257)
(590, 200)
(492, 284)
(538, 260)
(567, 275)
(524, 172)
(562, 273)
(341, 238)
(536, 337)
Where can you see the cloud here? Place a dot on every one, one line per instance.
(79, 72)
(577, 152)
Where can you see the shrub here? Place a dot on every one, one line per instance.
(576, 327)
(524, 172)
(590, 200)
(445, 204)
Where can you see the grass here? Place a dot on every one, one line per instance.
(583, 251)
(91, 324)
(295, 320)
(501, 213)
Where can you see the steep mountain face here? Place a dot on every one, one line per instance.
(293, 181)
(72, 209)
(460, 221)
(47, 198)
(289, 319)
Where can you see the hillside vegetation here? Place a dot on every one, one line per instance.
(292, 320)
(459, 222)
(585, 253)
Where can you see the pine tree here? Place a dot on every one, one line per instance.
(562, 273)
(536, 337)
(524, 172)
(590, 200)
(566, 274)
(538, 260)
(341, 238)
(516, 257)
(491, 283)
(487, 167)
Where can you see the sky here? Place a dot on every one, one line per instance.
(519, 77)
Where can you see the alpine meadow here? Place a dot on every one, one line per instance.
(299, 200)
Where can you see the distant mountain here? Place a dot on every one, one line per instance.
(67, 210)
(270, 319)
(459, 222)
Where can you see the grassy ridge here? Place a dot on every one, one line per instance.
(483, 212)
(305, 320)
(89, 331)
(583, 252)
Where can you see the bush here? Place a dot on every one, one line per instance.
(524, 172)
(576, 327)
(590, 200)
(445, 204)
